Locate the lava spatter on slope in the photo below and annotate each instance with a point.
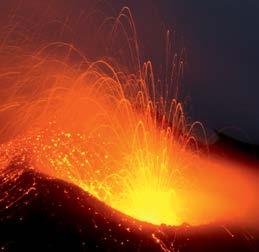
(85, 143)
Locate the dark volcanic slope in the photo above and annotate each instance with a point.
(232, 149)
(55, 215)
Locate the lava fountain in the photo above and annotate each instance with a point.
(114, 133)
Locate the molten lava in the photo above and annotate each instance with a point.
(113, 134)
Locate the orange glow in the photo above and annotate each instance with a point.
(110, 133)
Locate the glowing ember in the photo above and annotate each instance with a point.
(124, 160)
(110, 133)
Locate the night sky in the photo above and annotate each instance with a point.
(221, 38)
(221, 76)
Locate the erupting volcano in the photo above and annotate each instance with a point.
(117, 131)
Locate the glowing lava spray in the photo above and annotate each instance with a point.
(116, 133)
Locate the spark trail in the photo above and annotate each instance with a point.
(111, 132)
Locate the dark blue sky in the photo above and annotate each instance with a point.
(222, 71)
(222, 76)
